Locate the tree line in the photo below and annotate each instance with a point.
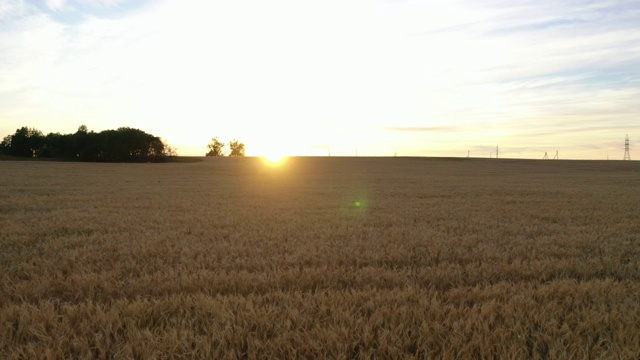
(122, 145)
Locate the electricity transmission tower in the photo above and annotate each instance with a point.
(626, 148)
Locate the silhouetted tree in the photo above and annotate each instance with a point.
(121, 145)
(215, 147)
(237, 148)
(84, 145)
(169, 150)
(26, 142)
(127, 144)
(57, 145)
(5, 145)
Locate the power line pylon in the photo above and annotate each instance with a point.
(626, 148)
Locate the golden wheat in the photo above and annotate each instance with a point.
(320, 258)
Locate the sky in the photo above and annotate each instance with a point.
(299, 77)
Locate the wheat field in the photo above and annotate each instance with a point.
(337, 258)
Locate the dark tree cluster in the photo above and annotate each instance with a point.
(122, 145)
(216, 148)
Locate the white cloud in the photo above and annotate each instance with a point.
(101, 3)
(57, 5)
(66, 5)
(10, 9)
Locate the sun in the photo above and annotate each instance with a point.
(274, 159)
(273, 155)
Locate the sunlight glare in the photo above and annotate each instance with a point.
(274, 159)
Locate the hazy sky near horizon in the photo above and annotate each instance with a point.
(433, 78)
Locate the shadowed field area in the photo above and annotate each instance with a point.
(320, 258)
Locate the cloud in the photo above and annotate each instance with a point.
(56, 5)
(10, 9)
(72, 12)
